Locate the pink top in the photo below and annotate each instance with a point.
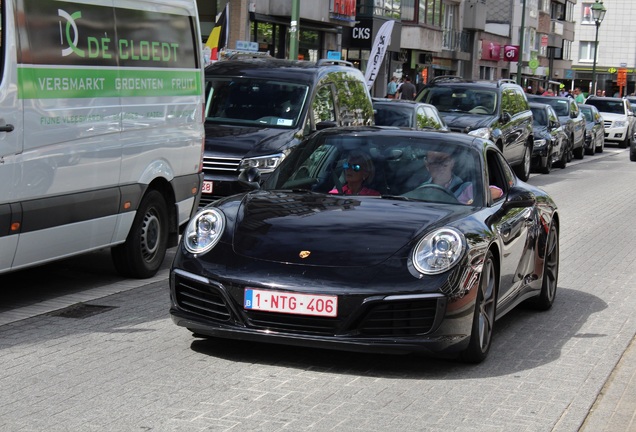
(363, 191)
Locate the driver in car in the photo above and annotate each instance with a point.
(440, 166)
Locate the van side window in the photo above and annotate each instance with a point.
(323, 105)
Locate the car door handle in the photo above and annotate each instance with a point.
(7, 128)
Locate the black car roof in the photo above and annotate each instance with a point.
(273, 68)
(393, 133)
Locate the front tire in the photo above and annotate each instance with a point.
(145, 248)
(484, 314)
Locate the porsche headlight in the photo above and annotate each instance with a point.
(438, 251)
(204, 231)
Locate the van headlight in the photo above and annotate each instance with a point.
(265, 164)
(483, 133)
(438, 251)
(204, 231)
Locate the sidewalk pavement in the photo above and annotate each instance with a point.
(615, 407)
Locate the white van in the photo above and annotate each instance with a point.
(101, 129)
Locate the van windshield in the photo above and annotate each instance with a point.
(254, 102)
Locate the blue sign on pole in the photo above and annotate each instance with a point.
(569, 74)
(333, 55)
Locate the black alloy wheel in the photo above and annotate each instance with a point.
(484, 314)
(548, 163)
(523, 169)
(550, 272)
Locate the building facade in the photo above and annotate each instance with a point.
(616, 57)
(468, 38)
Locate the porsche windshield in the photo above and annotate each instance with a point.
(420, 169)
(254, 102)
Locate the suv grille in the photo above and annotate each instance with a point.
(220, 164)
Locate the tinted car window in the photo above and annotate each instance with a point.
(323, 106)
(539, 117)
(255, 101)
(398, 167)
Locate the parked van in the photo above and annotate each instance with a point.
(101, 129)
(258, 109)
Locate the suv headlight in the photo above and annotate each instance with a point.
(204, 231)
(480, 133)
(538, 143)
(620, 123)
(265, 164)
(438, 251)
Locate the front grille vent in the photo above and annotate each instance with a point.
(201, 299)
(400, 318)
(294, 323)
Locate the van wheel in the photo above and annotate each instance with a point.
(145, 248)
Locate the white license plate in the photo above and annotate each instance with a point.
(291, 303)
(207, 187)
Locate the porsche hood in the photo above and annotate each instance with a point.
(330, 230)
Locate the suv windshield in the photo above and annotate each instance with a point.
(256, 102)
(539, 117)
(481, 101)
(608, 106)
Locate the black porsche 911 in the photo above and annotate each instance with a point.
(412, 263)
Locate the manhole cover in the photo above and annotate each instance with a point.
(81, 310)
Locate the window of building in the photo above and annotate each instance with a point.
(429, 12)
(569, 11)
(558, 11)
(544, 6)
(586, 10)
(487, 73)
(586, 51)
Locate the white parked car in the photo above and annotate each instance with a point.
(619, 120)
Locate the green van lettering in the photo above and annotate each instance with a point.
(97, 47)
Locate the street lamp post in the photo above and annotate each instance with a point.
(598, 13)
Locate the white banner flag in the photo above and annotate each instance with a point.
(380, 44)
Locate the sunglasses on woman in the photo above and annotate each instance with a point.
(354, 167)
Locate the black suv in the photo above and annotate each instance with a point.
(258, 109)
(494, 110)
(572, 120)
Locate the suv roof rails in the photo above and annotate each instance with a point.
(446, 78)
(506, 81)
(324, 61)
(238, 54)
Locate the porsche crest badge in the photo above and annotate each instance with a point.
(304, 254)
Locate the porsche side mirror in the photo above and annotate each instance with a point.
(519, 198)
